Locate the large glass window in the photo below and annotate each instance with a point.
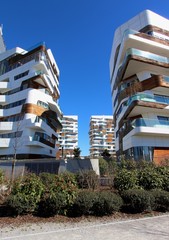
(43, 104)
(140, 153)
(14, 104)
(11, 135)
(21, 75)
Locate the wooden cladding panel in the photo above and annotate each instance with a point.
(155, 39)
(33, 108)
(148, 84)
(160, 154)
(142, 104)
(155, 29)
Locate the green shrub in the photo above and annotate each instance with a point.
(103, 166)
(52, 203)
(106, 203)
(25, 194)
(125, 179)
(47, 178)
(87, 179)
(58, 195)
(127, 164)
(164, 174)
(1, 176)
(149, 178)
(161, 200)
(137, 200)
(82, 204)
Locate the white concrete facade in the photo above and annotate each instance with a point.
(30, 115)
(139, 75)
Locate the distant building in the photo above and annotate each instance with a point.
(139, 70)
(101, 135)
(68, 137)
(29, 110)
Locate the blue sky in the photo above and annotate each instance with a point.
(80, 35)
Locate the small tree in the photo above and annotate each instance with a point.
(16, 144)
(103, 166)
(106, 155)
(76, 152)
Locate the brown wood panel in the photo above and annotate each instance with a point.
(160, 154)
(33, 108)
(155, 29)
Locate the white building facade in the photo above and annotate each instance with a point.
(101, 135)
(68, 137)
(30, 115)
(139, 70)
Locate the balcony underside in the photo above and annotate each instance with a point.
(157, 83)
(141, 107)
(157, 130)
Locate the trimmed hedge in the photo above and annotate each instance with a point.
(161, 200)
(137, 200)
(106, 203)
(52, 203)
(82, 204)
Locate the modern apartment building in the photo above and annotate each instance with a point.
(101, 135)
(68, 137)
(139, 69)
(29, 112)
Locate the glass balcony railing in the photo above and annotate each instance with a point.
(149, 55)
(143, 122)
(139, 53)
(148, 98)
(6, 67)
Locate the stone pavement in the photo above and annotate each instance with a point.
(150, 228)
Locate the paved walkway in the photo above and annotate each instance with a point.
(151, 228)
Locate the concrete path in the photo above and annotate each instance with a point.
(151, 228)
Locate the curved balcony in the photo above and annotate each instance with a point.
(148, 98)
(140, 60)
(142, 126)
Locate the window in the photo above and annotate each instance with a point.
(42, 104)
(21, 75)
(11, 105)
(11, 135)
(163, 120)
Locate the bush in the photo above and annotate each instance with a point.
(103, 166)
(125, 179)
(127, 164)
(106, 203)
(164, 174)
(47, 178)
(137, 200)
(161, 200)
(25, 194)
(58, 196)
(87, 179)
(82, 204)
(149, 178)
(1, 176)
(51, 203)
